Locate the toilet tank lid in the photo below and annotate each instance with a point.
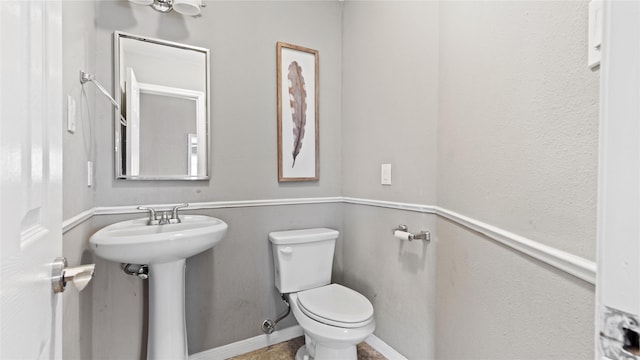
(302, 236)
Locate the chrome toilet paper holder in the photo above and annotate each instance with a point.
(61, 275)
(402, 232)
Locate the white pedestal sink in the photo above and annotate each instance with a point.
(165, 249)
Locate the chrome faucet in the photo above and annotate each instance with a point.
(164, 218)
(174, 213)
(152, 215)
(164, 215)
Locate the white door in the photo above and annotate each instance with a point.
(30, 177)
(133, 124)
(618, 280)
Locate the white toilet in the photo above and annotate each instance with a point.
(334, 318)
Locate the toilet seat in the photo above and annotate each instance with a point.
(336, 305)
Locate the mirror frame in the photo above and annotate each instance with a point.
(117, 36)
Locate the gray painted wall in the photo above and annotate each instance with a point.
(229, 289)
(78, 36)
(486, 109)
(513, 142)
(107, 320)
(78, 51)
(242, 39)
(398, 277)
(390, 111)
(390, 99)
(518, 126)
(494, 303)
(518, 141)
(77, 307)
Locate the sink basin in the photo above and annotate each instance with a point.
(165, 249)
(135, 242)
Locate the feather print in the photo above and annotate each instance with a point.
(298, 103)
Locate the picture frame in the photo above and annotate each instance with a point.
(297, 73)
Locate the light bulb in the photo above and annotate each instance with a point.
(187, 7)
(142, 2)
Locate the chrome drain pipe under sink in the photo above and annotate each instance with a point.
(141, 271)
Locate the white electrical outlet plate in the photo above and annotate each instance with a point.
(71, 114)
(385, 174)
(89, 173)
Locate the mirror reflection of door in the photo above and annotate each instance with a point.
(132, 139)
(164, 130)
(159, 122)
(164, 91)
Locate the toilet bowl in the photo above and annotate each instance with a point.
(332, 333)
(333, 317)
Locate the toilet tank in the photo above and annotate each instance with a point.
(302, 258)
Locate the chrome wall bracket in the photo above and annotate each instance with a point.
(86, 77)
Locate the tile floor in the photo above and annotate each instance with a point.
(287, 351)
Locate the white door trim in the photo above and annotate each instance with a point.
(618, 235)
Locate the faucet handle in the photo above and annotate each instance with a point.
(174, 212)
(152, 215)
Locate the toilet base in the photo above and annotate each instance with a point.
(325, 353)
(302, 353)
(325, 342)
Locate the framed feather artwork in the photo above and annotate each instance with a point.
(298, 129)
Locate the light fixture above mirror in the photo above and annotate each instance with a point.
(184, 7)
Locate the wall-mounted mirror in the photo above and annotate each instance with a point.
(163, 89)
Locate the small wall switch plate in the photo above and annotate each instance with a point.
(71, 114)
(595, 34)
(385, 174)
(89, 173)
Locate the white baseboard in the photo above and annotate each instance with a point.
(384, 349)
(248, 345)
(260, 341)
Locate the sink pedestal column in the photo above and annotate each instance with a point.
(167, 326)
